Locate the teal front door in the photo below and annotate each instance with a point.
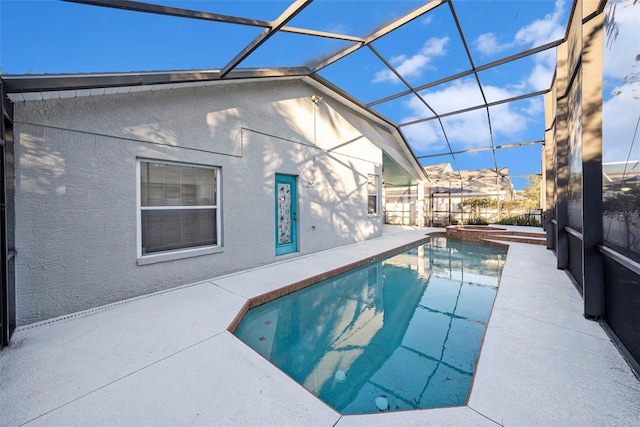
(286, 214)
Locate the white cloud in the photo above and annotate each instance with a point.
(535, 108)
(506, 121)
(488, 44)
(413, 66)
(468, 130)
(456, 96)
(494, 93)
(385, 76)
(620, 51)
(543, 30)
(435, 46)
(540, 77)
(425, 137)
(536, 33)
(337, 28)
(620, 115)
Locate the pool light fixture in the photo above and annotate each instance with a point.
(381, 403)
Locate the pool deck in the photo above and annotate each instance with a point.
(168, 359)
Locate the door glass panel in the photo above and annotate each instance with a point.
(284, 213)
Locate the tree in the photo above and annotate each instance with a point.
(477, 204)
(625, 206)
(531, 192)
(513, 205)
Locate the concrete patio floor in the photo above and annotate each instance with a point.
(168, 359)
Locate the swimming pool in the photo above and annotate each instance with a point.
(400, 333)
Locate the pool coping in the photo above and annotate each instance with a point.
(294, 287)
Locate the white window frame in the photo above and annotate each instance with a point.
(177, 253)
(376, 194)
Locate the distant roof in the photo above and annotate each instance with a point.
(471, 180)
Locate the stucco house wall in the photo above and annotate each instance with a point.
(76, 184)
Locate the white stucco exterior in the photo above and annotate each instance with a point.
(76, 185)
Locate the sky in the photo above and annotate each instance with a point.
(621, 88)
(58, 37)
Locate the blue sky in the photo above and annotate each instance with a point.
(58, 37)
(621, 87)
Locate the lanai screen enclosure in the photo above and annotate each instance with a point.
(460, 89)
(477, 85)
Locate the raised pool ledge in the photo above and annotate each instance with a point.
(494, 235)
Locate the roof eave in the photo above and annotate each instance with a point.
(25, 83)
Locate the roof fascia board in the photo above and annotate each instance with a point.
(80, 92)
(55, 82)
(406, 147)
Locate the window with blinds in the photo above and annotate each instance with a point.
(178, 206)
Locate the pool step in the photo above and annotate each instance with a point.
(531, 238)
(537, 234)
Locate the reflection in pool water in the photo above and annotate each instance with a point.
(397, 334)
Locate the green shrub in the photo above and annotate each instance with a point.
(526, 220)
(478, 221)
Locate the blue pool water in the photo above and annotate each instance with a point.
(407, 328)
